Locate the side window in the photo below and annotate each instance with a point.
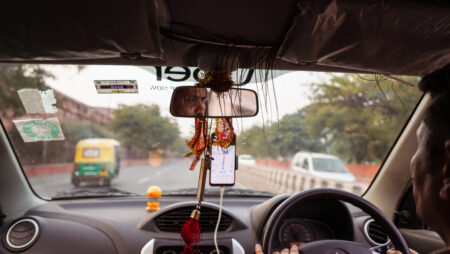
(298, 162)
(305, 164)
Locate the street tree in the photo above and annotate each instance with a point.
(354, 117)
(359, 117)
(281, 139)
(143, 127)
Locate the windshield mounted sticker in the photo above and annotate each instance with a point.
(34, 130)
(116, 86)
(38, 102)
(192, 74)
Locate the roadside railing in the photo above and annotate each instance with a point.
(287, 181)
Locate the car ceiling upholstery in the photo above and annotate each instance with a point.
(388, 37)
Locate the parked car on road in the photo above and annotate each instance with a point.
(322, 166)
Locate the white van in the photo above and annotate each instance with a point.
(246, 159)
(322, 166)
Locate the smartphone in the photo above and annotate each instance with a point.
(223, 164)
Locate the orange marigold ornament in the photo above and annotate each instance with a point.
(219, 82)
(224, 131)
(199, 142)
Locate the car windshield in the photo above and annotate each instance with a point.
(328, 165)
(93, 130)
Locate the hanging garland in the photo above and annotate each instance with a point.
(199, 141)
(224, 132)
(219, 82)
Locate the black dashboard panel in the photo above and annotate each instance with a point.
(114, 222)
(176, 214)
(115, 225)
(65, 236)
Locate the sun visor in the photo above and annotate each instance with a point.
(392, 37)
(65, 30)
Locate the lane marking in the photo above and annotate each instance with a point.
(162, 172)
(158, 173)
(143, 180)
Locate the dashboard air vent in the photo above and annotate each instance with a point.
(375, 234)
(173, 221)
(22, 234)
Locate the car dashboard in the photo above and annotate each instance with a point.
(122, 225)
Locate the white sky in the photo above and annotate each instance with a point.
(292, 91)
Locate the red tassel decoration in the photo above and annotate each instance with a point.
(191, 235)
(190, 232)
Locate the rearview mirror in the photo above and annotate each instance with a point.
(190, 101)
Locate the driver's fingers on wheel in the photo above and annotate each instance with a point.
(285, 251)
(258, 249)
(294, 249)
(393, 251)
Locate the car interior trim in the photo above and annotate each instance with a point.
(176, 36)
(237, 247)
(14, 186)
(148, 247)
(115, 237)
(367, 235)
(33, 238)
(148, 222)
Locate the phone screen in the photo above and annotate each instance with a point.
(222, 165)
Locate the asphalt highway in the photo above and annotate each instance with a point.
(170, 175)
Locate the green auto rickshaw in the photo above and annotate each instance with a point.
(96, 160)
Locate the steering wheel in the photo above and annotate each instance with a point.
(332, 246)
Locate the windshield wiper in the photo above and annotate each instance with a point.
(92, 193)
(215, 192)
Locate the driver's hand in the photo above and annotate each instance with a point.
(293, 250)
(393, 251)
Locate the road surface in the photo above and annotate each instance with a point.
(170, 175)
